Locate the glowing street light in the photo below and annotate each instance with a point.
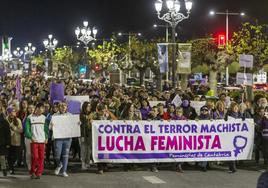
(173, 16)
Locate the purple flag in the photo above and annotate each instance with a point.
(56, 92)
(74, 107)
(18, 88)
(2, 72)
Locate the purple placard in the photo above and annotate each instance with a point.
(56, 92)
(74, 107)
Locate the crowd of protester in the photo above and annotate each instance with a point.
(26, 137)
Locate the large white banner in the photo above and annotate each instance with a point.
(172, 141)
(66, 126)
(197, 105)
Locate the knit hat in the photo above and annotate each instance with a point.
(204, 108)
(185, 103)
(10, 109)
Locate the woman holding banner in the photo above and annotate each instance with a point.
(103, 114)
(204, 115)
(179, 116)
(219, 112)
(234, 113)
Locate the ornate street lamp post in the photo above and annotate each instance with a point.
(86, 35)
(18, 54)
(173, 17)
(50, 45)
(29, 50)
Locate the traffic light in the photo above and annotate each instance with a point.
(221, 41)
(97, 67)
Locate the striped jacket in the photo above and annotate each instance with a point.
(36, 128)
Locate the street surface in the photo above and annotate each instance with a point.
(218, 177)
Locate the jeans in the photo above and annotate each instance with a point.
(86, 149)
(203, 164)
(49, 148)
(3, 162)
(62, 149)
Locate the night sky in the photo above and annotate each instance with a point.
(32, 20)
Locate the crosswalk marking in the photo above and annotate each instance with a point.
(153, 179)
(5, 180)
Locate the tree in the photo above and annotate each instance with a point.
(67, 59)
(200, 69)
(106, 54)
(206, 52)
(251, 39)
(143, 56)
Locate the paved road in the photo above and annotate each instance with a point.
(141, 178)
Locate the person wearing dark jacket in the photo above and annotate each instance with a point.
(188, 111)
(5, 141)
(234, 113)
(263, 180)
(258, 119)
(263, 127)
(204, 115)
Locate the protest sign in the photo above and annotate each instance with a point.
(74, 107)
(244, 79)
(172, 141)
(176, 101)
(56, 92)
(81, 99)
(66, 126)
(197, 105)
(246, 61)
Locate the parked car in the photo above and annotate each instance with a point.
(260, 86)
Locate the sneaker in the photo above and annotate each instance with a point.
(38, 177)
(262, 170)
(232, 171)
(154, 169)
(204, 169)
(4, 173)
(84, 166)
(100, 172)
(179, 169)
(33, 176)
(12, 172)
(57, 170)
(64, 174)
